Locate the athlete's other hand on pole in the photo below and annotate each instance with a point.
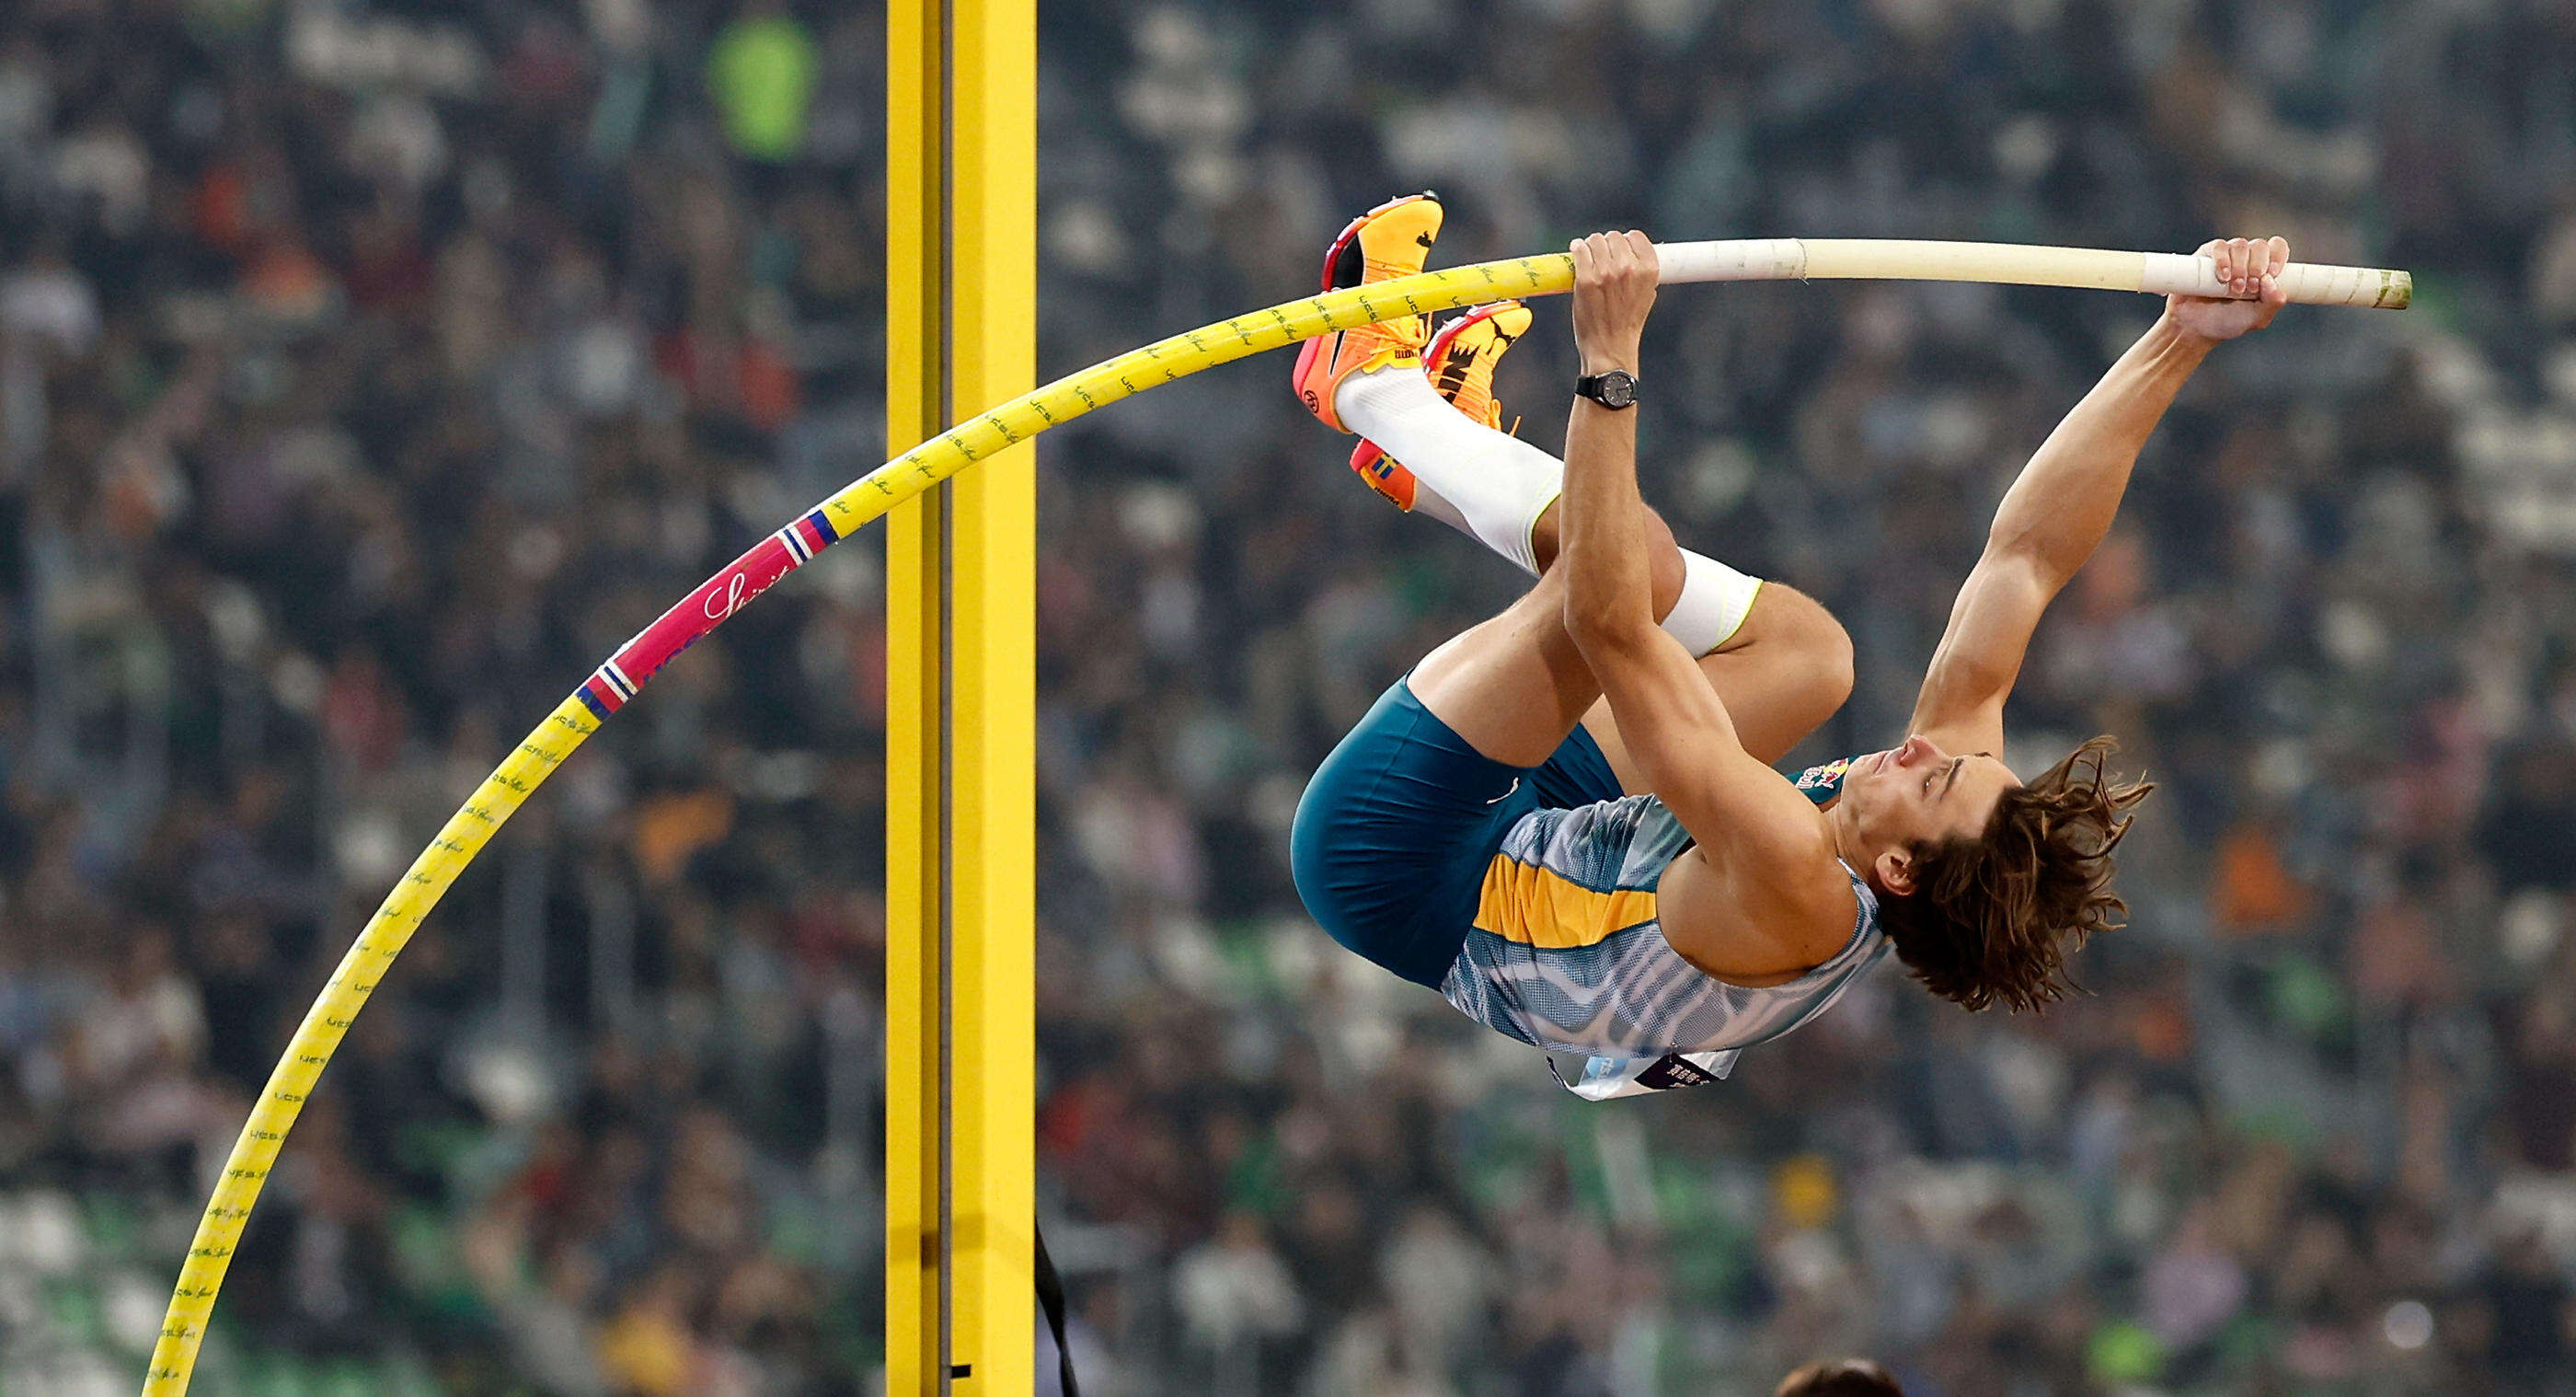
(2246, 267)
(1614, 288)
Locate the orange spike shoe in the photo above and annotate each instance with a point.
(1389, 241)
(1460, 363)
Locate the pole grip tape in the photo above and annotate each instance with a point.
(2101, 269)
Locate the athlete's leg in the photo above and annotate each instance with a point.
(1783, 665)
(1514, 686)
(1499, 489)
(1777, 659)
(1785, 672)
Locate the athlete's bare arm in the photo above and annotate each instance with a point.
(1761, 897)
(2061, 507)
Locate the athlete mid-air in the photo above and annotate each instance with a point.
(1565, 819)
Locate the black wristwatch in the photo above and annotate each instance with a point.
(1615, 390)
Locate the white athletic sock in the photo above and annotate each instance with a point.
(1497, 483)
(1492, 487)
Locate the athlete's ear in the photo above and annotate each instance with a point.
(1895, 870)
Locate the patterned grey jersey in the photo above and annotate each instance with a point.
(1568, 954)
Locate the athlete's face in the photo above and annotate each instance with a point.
(1919, 794)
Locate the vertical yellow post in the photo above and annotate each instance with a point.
(916, 406)
(961, 138)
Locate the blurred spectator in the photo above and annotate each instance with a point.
(761, 72)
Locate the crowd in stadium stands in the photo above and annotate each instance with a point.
(369, 371)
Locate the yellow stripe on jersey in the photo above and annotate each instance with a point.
(1538, 906)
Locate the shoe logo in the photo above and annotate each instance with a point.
(1453, 374)
(1312, 402)
(1424, 239)
(1507, 792)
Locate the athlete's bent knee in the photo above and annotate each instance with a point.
(1823, 647)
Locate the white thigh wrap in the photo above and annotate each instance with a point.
(1714, 602)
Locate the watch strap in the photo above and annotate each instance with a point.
(1598, 388)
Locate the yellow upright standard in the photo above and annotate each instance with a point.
(961, 285)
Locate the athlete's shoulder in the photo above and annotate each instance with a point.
(1762, 924)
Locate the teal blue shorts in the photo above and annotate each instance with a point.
(1395, 831)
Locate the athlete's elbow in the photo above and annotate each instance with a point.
(2051, 549)
(2034, 557)
(1603, 619)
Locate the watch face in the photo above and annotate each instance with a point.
(1618, 389)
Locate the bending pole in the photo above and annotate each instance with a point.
(618, 679)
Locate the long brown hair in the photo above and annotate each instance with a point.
(1992, 918)
(1848, 1377)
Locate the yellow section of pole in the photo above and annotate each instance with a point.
(917, 405)
(254, 1153)
(961, 650)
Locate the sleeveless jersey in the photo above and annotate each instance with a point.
(1567, 954)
